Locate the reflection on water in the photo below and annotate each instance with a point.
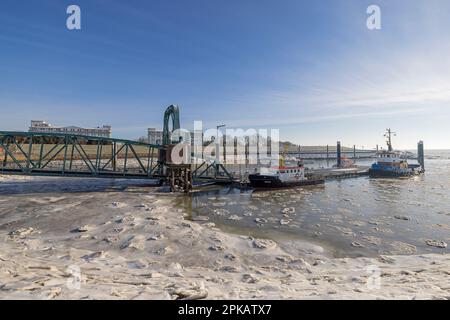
(359, 216)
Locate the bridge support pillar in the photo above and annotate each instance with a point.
(338, 155)
(180, 178)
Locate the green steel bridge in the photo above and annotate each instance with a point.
(72, 155)
(53, 154)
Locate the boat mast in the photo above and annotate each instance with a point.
(388, 136)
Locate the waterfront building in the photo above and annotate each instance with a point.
(40, 126)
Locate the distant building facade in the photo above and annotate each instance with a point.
(44, 127)
(197, 137)
(155, 136)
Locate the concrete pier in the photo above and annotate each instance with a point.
(335, 173)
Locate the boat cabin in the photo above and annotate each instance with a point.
(392, 158)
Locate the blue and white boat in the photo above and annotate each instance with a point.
(392, 163)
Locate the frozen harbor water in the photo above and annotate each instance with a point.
(351, 217)
(128, 241)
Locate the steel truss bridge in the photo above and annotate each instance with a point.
(64, 155)
(52, 154)
(70, 155)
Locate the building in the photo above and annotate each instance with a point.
(44, 127)
(197, 137)
(155, 136)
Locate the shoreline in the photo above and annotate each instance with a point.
(124, 245)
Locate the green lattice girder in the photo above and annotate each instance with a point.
(77, 155)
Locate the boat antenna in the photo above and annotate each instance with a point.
(389, 133)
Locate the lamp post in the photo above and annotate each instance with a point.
(218, 147)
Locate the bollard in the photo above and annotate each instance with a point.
(421, 155)
(338, 154)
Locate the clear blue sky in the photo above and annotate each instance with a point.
(310, 68)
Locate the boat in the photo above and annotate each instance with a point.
(392, 163)
(282, 176)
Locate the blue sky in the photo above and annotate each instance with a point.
(311, 69)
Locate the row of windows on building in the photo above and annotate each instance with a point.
(44, 127)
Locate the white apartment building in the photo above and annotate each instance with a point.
(44, 127)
